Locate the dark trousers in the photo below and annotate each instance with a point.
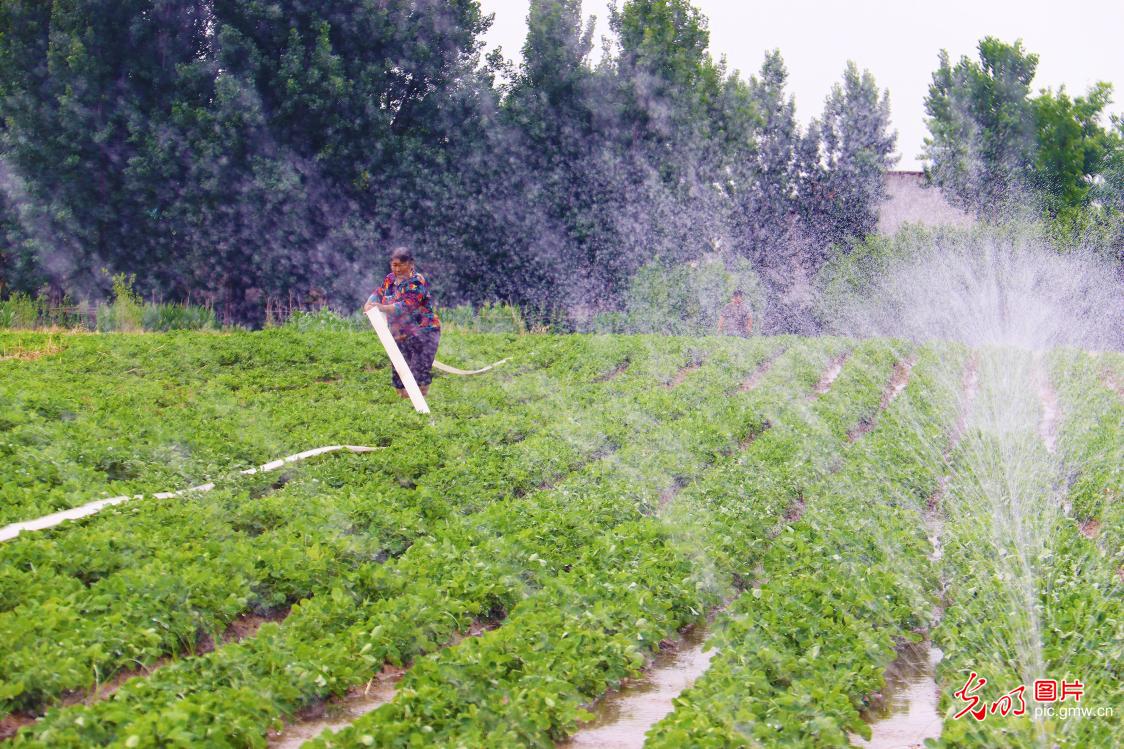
(419, 351)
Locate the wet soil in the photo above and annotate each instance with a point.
(244, 626)
(1090, 528)
(12, 723)
(759, 374)
(753, 435)
(683, 373)
(613, 373)
(339, 712)
(624, 716)
(833, 370)
(795, 511)
(898, 381)
(905, 713)
(670, 492)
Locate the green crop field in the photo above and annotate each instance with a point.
(546, 530)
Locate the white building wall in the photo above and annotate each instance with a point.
(910, 201)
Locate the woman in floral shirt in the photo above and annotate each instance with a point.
(404, 297)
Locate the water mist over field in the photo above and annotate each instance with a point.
(990, 291)
(999, 521)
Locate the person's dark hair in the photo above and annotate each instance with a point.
(401, 252)
(738, 292)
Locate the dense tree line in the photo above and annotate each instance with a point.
(997, 148)
(237, 150)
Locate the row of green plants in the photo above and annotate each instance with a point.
(125, 312)
(1090, 441)
(490, 317)
(801, 652)
(106, 417)
(471, 566)
(195, 591)
(525, 684)
(1029, 597)
(553, 530)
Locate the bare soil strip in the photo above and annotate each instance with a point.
(625, 715)
(670, 492)
(793, 512)
(682, 374)
(614, 373)
(244, 626)
(759, 374)
(753, 435)
(1090, 528)
(11, 724)
(898, 380)
(833, 370)
(906, 713)
(339, 712)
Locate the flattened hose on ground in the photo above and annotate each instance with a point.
(462, 372)
(8, 532)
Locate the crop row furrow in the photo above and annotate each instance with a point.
(488, 560)
(524, 684)
(798, 653)
(1023, 583)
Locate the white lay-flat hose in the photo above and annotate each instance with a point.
(379, 323)
(454, 371)
(8, 532)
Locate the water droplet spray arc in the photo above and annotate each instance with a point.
(1012, 300)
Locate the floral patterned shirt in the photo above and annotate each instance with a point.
(413, 306)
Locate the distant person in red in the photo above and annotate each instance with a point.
(736, 317)
(404, 298)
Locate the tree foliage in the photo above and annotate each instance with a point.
(994, 146)
(240, 151)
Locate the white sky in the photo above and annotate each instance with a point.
(1078, 43)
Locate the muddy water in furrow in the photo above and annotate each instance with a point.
(335, 715)
(624, 717)
(906, 712)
